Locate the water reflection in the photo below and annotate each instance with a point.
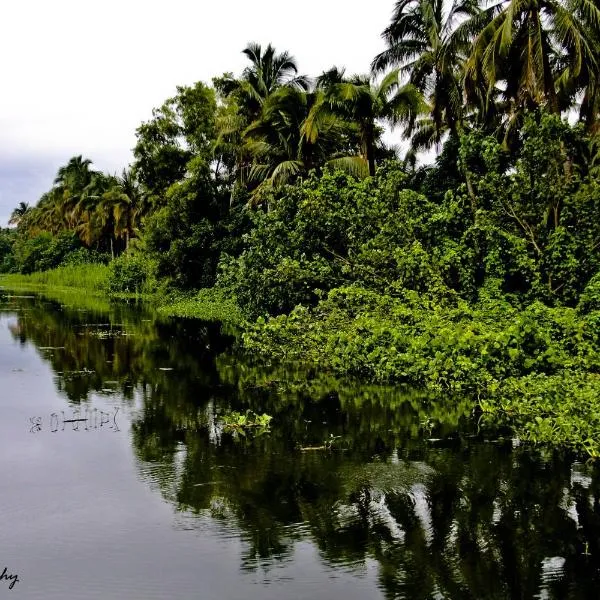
(408, 483)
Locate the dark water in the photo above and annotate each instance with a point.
(358, 492)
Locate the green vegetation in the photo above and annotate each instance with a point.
(242, 424)
(124, 279)
(270, 200)
(558, 409)
(207, 305)
(91, 277)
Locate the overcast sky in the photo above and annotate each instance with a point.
(78, 76)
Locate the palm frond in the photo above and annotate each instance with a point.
(356, 166)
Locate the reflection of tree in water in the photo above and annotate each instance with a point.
(454, 517)
(116, 351)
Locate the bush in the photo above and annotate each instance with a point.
(8, 263)
(182, 236)
(590, 298)
(44, 251)
(83, 256)
(131, 274)
(208, 304)
(419, 340)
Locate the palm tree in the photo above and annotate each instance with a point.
(363, 103)
(590, 105)
(429, 43)
(76, 174)
(70, 190)
(50, 214)
(267, 72)
(533, 47)
(86, 219)
(122, 205)
(19, 213)
(289, 139)
(243, 116)
(586, 84)
(274, 142)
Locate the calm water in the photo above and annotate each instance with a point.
(117, 481)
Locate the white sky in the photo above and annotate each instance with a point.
(78, 76)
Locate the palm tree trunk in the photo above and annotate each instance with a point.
(462, 164)
(589, 112)
(470, 188)
(549, 90)
(369, 147)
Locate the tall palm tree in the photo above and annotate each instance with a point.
(75, 174)
(19, 213)
(242, 119)
(123, 206)
(586, 85)
(429, 42)
(589, 111)
(363, 103)
(267, 72)
(275, 144)
(50, 214)
(71, 188)
(87, 222)
(533, 47)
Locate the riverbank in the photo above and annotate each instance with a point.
(534, 369)
(89, 284)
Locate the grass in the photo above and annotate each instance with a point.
(92, 278)
(207, 305)
(79, 284)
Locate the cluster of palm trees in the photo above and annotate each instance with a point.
(449, 66)
(104, 211)
(282, 125)
(455, 66)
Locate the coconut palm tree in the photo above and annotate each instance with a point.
(429, 42)
(584, 85)
(71, 187)
(267, 72)
(245, 98)
(50, 214)
(274, 142)
(19, 213)
(363, 103)
(123, 206)
(87, 222)
(534, 48)
(76, 174)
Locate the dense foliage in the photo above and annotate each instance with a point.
(277, 191)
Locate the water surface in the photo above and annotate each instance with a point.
(118, 481)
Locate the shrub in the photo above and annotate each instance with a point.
(8, 263)
(83, 256)
(44, 251)
(131, 274)
(590, 298)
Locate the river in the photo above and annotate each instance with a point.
(118, 480)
